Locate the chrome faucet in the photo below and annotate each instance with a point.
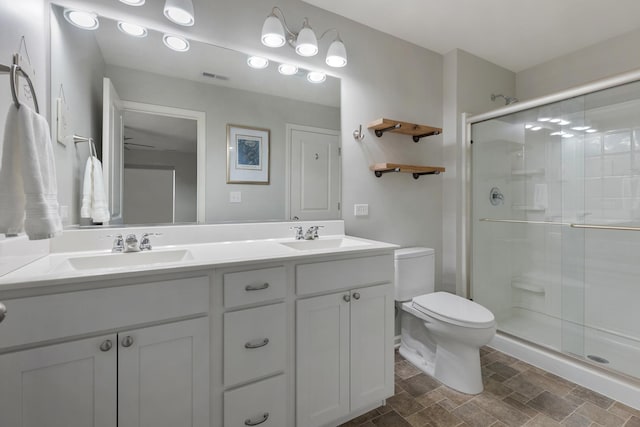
(145, 242)
(118, 243)
(299, 235)
(131, 243)
(312, 232)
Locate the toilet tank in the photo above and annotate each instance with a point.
(414, 272)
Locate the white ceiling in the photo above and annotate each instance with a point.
(515, 34)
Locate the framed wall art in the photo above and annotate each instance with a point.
(247, 155)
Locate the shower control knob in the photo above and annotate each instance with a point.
(346, 297)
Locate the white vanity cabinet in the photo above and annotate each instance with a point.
(344, 340)
(144, 376)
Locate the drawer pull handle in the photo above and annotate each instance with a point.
(106, 345)
(262, 343)
(250, 422)
(127, 341)
(256, 287)
(3, 311)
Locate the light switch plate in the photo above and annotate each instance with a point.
(361, 210)
(235, 197)
(62, 120)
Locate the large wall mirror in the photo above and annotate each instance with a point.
(166, 125)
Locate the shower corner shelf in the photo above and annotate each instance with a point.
(381, 168)
(382, 125)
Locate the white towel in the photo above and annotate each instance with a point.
(94, 199)
(28, 188)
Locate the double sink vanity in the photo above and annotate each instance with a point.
(217, 325)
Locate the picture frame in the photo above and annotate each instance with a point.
(248, 155)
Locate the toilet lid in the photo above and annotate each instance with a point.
(454, 309)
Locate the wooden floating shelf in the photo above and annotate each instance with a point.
(417, 132)
(381, 168)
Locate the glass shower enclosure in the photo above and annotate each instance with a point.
(555, 225)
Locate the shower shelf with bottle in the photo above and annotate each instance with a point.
(417, 132)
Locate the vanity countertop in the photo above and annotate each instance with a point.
(60, 268)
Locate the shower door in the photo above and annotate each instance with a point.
(544, 181)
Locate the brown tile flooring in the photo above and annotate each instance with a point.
(515, 394)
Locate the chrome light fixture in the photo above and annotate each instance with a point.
(276, 32)
(180, 12)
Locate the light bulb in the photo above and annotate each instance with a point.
(132, 29)
(257, 62)
(81, 19)
(337, 54)
(179, 12)
(316, 76)
(306, 43)
(272, 32)
(287, 69)
(176, 43)
(133, 2)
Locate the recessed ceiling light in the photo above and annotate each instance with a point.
(591, 130)
(132, 29)
(556, 133)
(133, 2)
(287, 69)
(528, 126)
(535, 128)
(567, 135)
(581, 128)
(179, 12)
(176, 43)
(564, 122)
(81, 19)
(316, 76)
(544, 119)
(257, 62)
(556, 120)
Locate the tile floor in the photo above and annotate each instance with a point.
(515, 394)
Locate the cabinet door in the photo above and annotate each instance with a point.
(322, 357)
(163, 375)
(71, 384)
(372, 317)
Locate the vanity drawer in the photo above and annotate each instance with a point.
(329, 276)
(249, 405)
(254, 286)
(50, 317)
(254, 343)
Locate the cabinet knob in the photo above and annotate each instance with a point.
(3, 311)
(346, 297)
(106, 345)
(127, 341)
(356, 295)
(250, 422)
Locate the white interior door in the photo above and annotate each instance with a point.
(314, 173)
(112, 148)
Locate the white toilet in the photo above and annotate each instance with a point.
(441, 333)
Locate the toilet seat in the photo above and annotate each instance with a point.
(454, 309)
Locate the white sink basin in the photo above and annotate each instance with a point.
(132, 259)
(312, 245)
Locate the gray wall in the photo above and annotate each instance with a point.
(468, 82)
(222, 106)
(184, 165)
(613, 56)
(78, 66)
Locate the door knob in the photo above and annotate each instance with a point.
(127, 341)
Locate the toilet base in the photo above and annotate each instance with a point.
(457, 368)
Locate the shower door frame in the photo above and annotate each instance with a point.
(465, 226)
